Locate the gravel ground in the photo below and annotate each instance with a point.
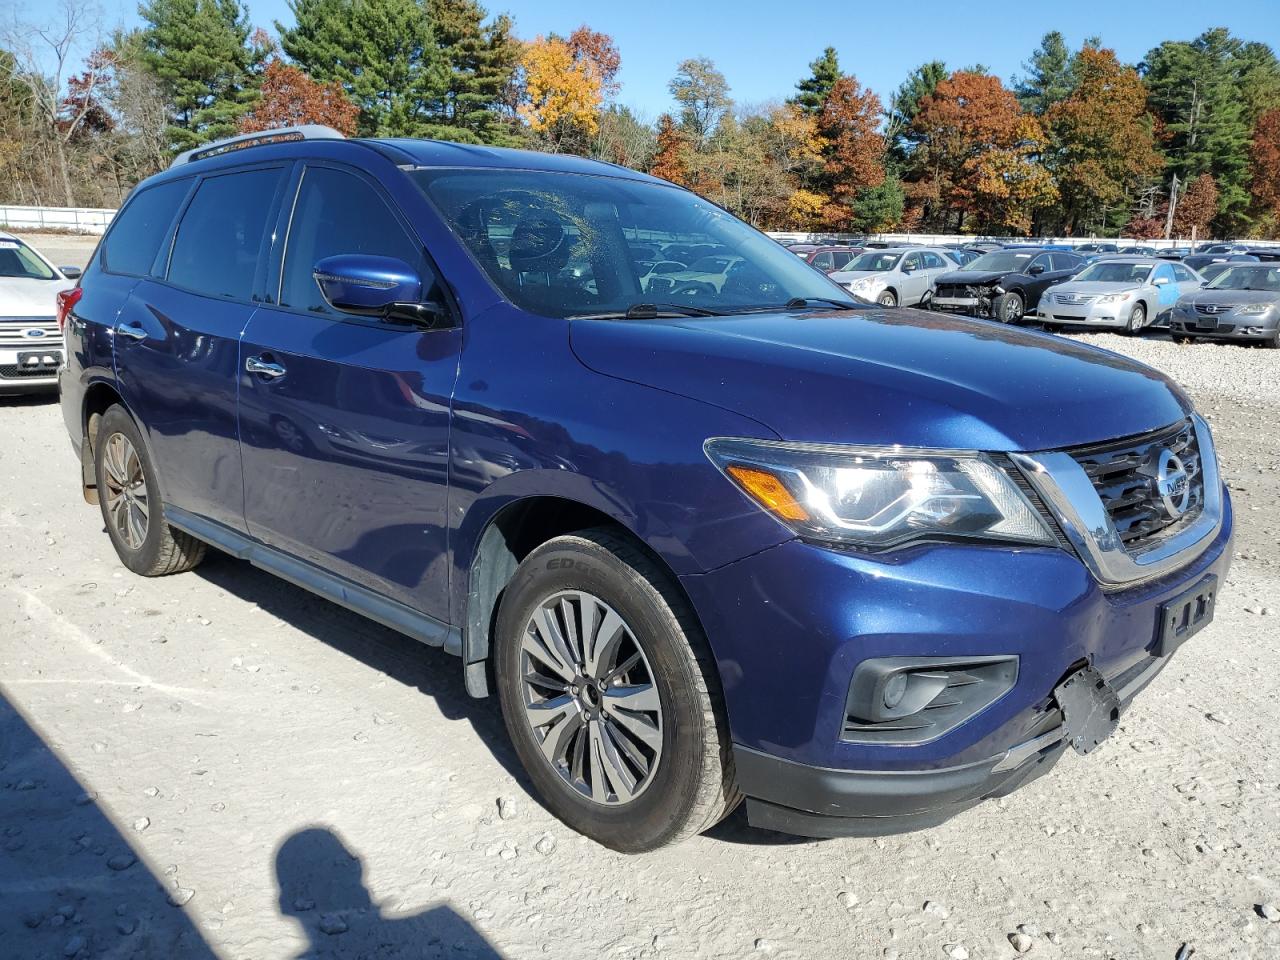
(219, 764)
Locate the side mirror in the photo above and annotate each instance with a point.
(908, 268)
(369, 286)
(1035, 269)
(1160, 281)
(71, 273)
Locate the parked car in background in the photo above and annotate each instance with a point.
(1137, 251)
(1212, 271)
(1127, 292)
(1240, 303)
(1173, 253)
(1198, 260)
(1004, 284)
(30, 343)
(832, 257)
(859, 566)
(1220, 248)
(962, 255)
(894, 277)
(1096, 247)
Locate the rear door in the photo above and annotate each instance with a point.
(914, 280)
(177, 339)
(346, 441)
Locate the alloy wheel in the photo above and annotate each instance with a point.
(590, 697)
(128, 505)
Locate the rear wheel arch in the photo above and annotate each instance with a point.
(99, 397)
(510, 535)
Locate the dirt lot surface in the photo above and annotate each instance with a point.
(218, 764)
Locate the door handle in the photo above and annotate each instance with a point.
(134, 331)
(265, 368)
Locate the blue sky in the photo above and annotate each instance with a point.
(763, 48)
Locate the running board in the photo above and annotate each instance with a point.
(344, 592)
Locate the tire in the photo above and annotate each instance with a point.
(131, 507)
(1008, 308)
(887, 299)
(1137, 319)
(688, 784)
(1272, 342)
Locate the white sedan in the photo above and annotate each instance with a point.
(30, 342)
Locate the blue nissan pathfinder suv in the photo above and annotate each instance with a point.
(709, 533)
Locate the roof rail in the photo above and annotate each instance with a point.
(309, 131)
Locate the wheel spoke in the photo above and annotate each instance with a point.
(621, 781)
(640, 697)
(572, 642)
(561, 718)
(117, 509)
(643, 729)
(533, 644)
(140, 502)
(137, 526)
(604, 645)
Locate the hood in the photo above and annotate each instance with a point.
(1095, 287)
(1233, 297)
(848, 276)
(878, 376)
(24, 297)
(977, 278)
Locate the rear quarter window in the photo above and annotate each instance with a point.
(138, 230)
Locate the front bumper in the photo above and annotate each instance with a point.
(791, 624)
(1224, 326)
(972, 305)
(1087, 314)
(17, 375)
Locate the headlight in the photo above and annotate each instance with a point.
(1115, 297)
(1253, 309)
(879, 497)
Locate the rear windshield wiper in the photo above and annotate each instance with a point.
(651, 311)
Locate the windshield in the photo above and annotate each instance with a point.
(1135, 273)
(874, 262)
(1001, 261)
(1248, 277)
(19, 260)
(565, 245)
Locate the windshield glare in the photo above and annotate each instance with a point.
(999, 261)
(1135, 273)
(20, 261)
(1251, 277)
(565, 245)
(876, 262)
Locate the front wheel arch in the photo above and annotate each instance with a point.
(510, 535)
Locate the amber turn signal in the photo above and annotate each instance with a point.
(769, 491)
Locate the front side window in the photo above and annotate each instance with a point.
(337, 213)
(220, 239)
(933, 262)
(19, 261)
(138, 230)
(558, 244)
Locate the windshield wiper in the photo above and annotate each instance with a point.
(796, 302)
(650, 311)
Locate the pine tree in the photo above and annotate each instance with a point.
(815, 88)
(481, 61)
(1048, 77)
(669, 157)
(383, 53)
(201, 53)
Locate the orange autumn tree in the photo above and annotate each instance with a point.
(978, 154)
(288, 97)
(669, 157)
(851, 146)
(1264, 164)
(1196, 207)
(566, 82)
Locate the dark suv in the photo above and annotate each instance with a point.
(863, 566)
(1006, 284)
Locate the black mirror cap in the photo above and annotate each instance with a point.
(1035, 270)
(71, 273)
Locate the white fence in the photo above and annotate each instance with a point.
(67, 219)
(932, 239)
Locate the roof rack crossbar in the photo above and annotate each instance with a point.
(309, 131)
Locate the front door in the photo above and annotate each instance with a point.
(177, 340)
(344, 420)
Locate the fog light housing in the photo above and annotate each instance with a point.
(916, 699)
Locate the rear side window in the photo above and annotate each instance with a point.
(339, 213)
(1182, 273)
(139, 229)
(219, 242)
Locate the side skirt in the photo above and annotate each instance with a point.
(353, 596)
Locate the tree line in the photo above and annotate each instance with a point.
(1185, 142)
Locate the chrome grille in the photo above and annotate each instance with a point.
(1124, 474)
(1211, 309)
(14, 333)
(1074, 298)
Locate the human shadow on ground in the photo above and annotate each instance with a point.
(70, 883)
(322, 887)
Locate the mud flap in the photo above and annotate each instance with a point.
(1090, 709)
